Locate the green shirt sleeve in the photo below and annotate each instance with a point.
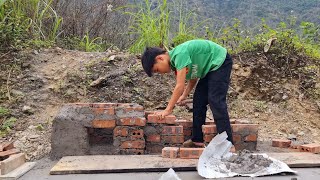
(182, 60)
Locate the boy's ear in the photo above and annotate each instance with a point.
(158, 58)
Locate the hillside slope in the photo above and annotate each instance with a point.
(262, 91)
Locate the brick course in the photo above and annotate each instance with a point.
(282, 143)
(190, 153)
(170, 152)
(104, 123)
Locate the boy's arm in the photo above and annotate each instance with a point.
(177, 92)
(189, 88)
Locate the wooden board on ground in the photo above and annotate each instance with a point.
(298, 159)
(155, 163)
(120, 163)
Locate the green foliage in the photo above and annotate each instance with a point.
(4, 112)
(33, 20)
(90, 45)
(7, 125)
(188, 26)
(150, 27)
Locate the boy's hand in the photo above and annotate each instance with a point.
(181, 101)
(163, 114)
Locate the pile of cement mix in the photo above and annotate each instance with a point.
(247, 163)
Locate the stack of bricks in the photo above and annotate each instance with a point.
(187, 128)
(162, 132)
(183, 153)
(285, 143)
(10, 158)
(127, 122)
(244, 135)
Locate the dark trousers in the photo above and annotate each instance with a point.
(212, 90)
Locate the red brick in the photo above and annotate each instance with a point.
(9, 152)
(6, 146)
(172, 130)
(184, 123)
(134, 121)
(208, 137)
(170, 152)
(251, 138)
(236, 138)
(136, 134)
(155, 138)
(108, 111)
(104, 123)
(121, 131)
(128, 107)
(209, 129)
(313, 148)
(282, 143)
(248, 128)
(187, 132)
(170, 119)
(190, 153)
(146, 113)
(139, 144)
(173, 139)
(155, 119)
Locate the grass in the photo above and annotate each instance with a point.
(24, 22)
(149, 26)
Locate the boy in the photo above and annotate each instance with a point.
(201, 62)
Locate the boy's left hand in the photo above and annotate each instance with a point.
(163, 114)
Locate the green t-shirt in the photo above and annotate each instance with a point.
(199, 56)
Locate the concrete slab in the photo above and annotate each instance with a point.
(20, 171)
(13, 162)
(155, 163)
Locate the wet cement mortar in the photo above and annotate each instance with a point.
(247, 163)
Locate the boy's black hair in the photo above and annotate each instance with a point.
(149, 58)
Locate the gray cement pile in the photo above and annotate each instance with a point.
(247, 163)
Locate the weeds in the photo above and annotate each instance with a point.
(33, 20)
(150, 27)
(90, 45)
(4, 112)
(7, 125)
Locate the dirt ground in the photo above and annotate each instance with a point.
(282, 98)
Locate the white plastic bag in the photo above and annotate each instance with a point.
(170, 175)
(212, 162)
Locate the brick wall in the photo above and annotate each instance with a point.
(130, 130)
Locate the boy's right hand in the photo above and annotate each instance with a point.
(181, 101)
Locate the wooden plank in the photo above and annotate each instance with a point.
(298, 159)
(13, 162)
(20, 171)
(120, 163)
(155, 163)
